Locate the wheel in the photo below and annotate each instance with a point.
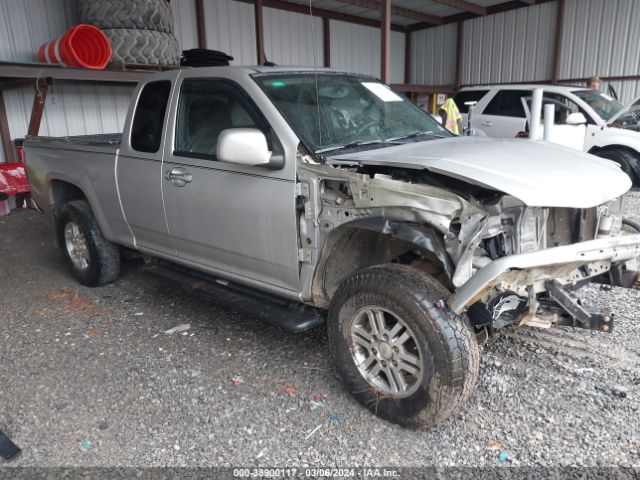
(139, 14)
(92, 259)
(625, 159)
(143, 47)
(400, 351)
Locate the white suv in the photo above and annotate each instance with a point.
(611, 130)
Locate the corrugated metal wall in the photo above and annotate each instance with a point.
(356, 48)
(600, 37)
(292, 39)
(433, 53)
(230, 27)
(513, 46)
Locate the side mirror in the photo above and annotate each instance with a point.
(576, 118)
(243, 146)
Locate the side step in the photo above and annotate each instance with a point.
(291, 316)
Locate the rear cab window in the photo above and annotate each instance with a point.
(468, 96)
(148, 120)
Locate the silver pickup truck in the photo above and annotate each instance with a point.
(306, 195)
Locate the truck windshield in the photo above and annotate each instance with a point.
(603, 105)
(330, 112)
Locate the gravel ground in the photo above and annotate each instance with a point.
(89, 378)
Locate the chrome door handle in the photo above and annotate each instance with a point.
(487, 124)
(178, 176)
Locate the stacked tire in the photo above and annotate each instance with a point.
(140, 31)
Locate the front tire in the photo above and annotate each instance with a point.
(625, 159)
(400, 351)
(92, 259)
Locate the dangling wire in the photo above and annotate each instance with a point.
(315, 73)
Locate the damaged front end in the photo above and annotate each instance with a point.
(538, 261)
(507, 263)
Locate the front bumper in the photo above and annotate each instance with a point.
(567, 264)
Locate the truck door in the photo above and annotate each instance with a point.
(234, 220)
(504, 115)
(139, 168)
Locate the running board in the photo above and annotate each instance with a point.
(291, 316)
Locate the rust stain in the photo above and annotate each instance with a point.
(72, 302)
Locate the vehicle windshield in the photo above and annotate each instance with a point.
(330, 112)
(605, 106)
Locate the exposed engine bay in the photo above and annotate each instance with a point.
(455, 229)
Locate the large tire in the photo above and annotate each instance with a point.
(442, 344)
(77, 228)
(143, 47)
(624, 158)
(134, 14)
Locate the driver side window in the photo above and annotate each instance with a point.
(206, 108)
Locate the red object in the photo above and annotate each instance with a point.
(83, 46)
(20, 152)
(13, 180)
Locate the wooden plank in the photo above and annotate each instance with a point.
(5, 134)
(39, 99)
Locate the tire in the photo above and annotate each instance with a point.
(143, 47)
(444, 342)
(138, 14)
(102, 257)
(625, 159)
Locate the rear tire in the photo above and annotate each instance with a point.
(437, 362)
(143, 47)
(92, 259)
(624, 158)
(139, 14)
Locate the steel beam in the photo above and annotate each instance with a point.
(259, 31)
(323, 13)
(459, 48)
(326, 41)
(385, 40)
(202, 29)
(557, 47)
(464, 5)
(30, 71)
(395, 10)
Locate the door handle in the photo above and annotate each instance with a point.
(178, 176)
(487, 124)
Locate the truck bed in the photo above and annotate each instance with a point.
(77, 142)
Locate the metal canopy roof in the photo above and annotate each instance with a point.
(417, 14)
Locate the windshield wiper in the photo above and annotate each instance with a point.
(417, 134)
(355, 143)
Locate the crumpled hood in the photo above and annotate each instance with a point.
(538, 173)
